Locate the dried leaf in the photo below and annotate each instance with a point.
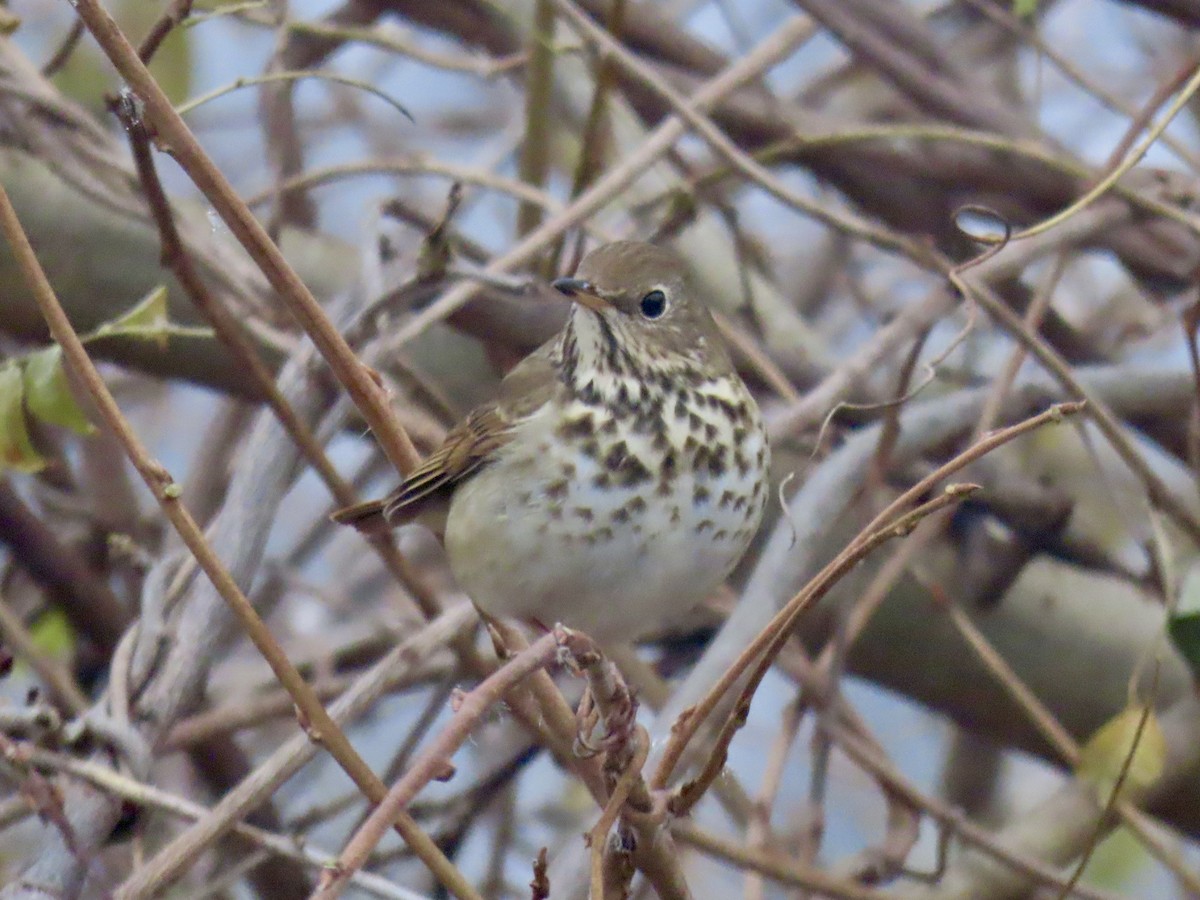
(48, 393)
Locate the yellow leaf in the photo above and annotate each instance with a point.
(1107, 753)
(16, 450)
(9, 22)
(48, 394)
(1117, 862)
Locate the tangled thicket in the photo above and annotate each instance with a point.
(930, 229)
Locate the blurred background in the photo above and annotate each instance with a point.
(846, 204)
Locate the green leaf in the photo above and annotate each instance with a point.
(1184, 625)
(1103, 758)
(16, 450)
(48, 393)
(53, 634)
(1023, 9)
(1185, 635)
(147, 321)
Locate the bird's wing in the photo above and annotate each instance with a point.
(467, 446)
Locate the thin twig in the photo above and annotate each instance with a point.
(174, 134)
(387, 36)
(1114, 794)
(230, 331)
(619, 177)
(433, 763)
(62, 53)
(1060, 739)
(175, 13)
(881, 530)
(533, 160)
(320, 726)
(147, 795)
(62, 685)
(784, 870)
(598, 836)
(416, 165)
(1157, 491)
(874, 532)
(869, 759)
(289, 757)
(288, 76)
(1114, 175)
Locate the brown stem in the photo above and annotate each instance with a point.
(783, 620)
(171, 17)
(62, 54)
(175, 136)
(433, 763)
(234, 336)
(166, 492)
(82, 594)
(533, 163)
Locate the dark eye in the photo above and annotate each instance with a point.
(654, 304)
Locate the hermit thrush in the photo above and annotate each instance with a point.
(621, 472)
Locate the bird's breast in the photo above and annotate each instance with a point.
(600, 511)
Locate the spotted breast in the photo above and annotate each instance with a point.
(620, 501)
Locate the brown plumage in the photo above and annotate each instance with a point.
(618, 475)
(427, 490)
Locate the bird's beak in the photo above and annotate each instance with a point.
(583, 293)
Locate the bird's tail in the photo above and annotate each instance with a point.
(365, 517)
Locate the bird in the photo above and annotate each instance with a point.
(620, 473)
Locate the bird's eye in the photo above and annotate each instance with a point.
(654, 304)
